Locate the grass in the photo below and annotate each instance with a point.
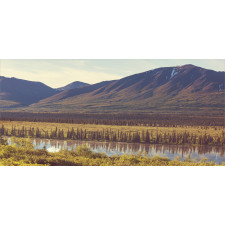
(22, 153)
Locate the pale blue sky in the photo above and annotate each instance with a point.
(57, 73)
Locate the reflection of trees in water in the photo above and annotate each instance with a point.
(130, 148)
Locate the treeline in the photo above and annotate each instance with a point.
(128, 119)
(117, 136)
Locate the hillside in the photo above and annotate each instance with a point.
(16, 92)
(165, 89)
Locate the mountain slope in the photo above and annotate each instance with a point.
(74, 92)
(165, 89)
(76, 84)
(17, 92)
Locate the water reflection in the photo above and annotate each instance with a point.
(212, 153)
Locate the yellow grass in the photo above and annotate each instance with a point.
(213, 131)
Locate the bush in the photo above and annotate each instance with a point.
(83, 151)
(2, 141)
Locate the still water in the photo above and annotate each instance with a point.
(215, 153)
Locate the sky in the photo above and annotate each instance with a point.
(60, 72)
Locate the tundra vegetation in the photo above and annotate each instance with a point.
(130, 128)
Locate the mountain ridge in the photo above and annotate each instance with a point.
(19, 92)
(185, 87)
(75, 84)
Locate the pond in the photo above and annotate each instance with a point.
(212, 153)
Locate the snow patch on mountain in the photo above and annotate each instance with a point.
(220, 87)
(173, 73)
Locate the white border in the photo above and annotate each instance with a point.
(118, 29)
(114, 30)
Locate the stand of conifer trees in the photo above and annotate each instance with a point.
(116, 136)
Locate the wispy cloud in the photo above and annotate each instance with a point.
(55, 73)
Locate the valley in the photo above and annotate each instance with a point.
(170, 111)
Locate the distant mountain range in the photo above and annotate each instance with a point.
(168, 89)
(76, 84)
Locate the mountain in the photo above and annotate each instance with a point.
(16, 92)
(185, 88)
(168, 89)
(76, 84)
(74, 92)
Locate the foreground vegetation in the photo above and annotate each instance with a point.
(22, 153)
(191, 135)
